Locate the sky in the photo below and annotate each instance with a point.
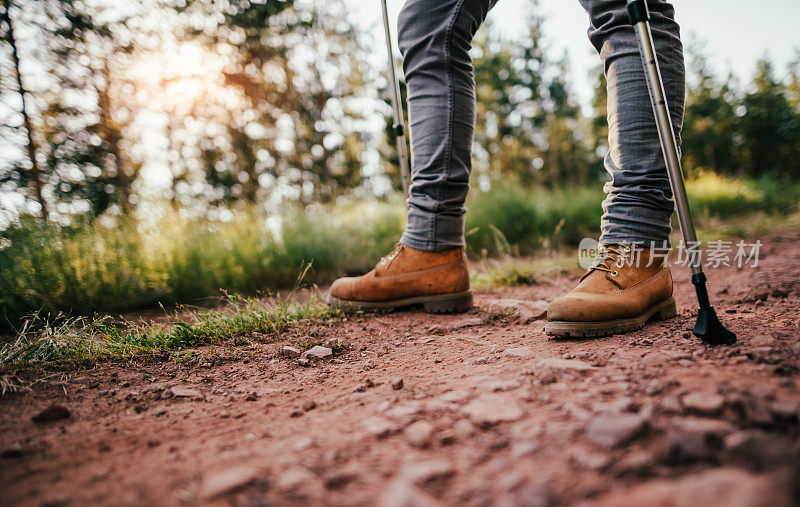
(736, 32)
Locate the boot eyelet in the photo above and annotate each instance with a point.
(614, 273)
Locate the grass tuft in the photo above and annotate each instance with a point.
(64, 342)
(510, 271)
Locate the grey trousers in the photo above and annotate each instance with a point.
(435, 37)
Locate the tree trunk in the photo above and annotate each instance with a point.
(35, 173)
(113, 137)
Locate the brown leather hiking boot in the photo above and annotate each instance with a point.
(439, 281)
(620, 293)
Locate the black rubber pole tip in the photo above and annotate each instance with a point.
(710, 329)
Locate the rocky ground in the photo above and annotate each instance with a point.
(473, 409)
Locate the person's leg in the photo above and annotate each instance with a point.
(435, 39)
(428, 267)
(638, 206)
(627, 286)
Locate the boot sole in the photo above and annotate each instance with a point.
(441, 303)
(564, 329)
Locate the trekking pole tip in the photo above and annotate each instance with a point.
(709, 328)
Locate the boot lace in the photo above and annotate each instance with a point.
(613, 256)
(388, 259)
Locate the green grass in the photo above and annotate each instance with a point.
(89, 267)
(64, 342)
(513, 271)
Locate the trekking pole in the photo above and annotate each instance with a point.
(708, 327)
(398, 126)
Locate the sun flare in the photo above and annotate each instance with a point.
(187, 74)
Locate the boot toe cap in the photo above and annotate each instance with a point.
(342, 288)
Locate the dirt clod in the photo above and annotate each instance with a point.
(52, 413)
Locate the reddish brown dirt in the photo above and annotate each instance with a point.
(485, 415)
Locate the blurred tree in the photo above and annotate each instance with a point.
(79, 112)
(510, 92)
(599, 120)
(568, 153)
(16, 172)
(86, 111)
(770, 127)
(793, 91)
(709, 135)
(293, 130)
(529, 125)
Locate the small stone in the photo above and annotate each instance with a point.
(228, 481)
(670, 405)
(693, 438)
(397, 384)
(299, 479)
(615, 430)
(303, 444)
(532, 310)
(290, 351)
(522, 449)
(309, 405)
(590, 460)
(463, 429)
(655, 359)
(535, 494)
(183, 392)
(752, 409)
(523, 352)
(527, 310)
(637, 463)
(492, 408)
(467, 322)
(303, 361)
(317, 353)
(760, 450)
(402, 493)
(251, 397)
(716, 486)
(420, 472)
(52, 413)
(785, 411)
(703, 403)
(379, 427)
(559, 368)
(419, 434)
(296, 413)
(405, 412)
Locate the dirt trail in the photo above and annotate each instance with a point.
(489, 412)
